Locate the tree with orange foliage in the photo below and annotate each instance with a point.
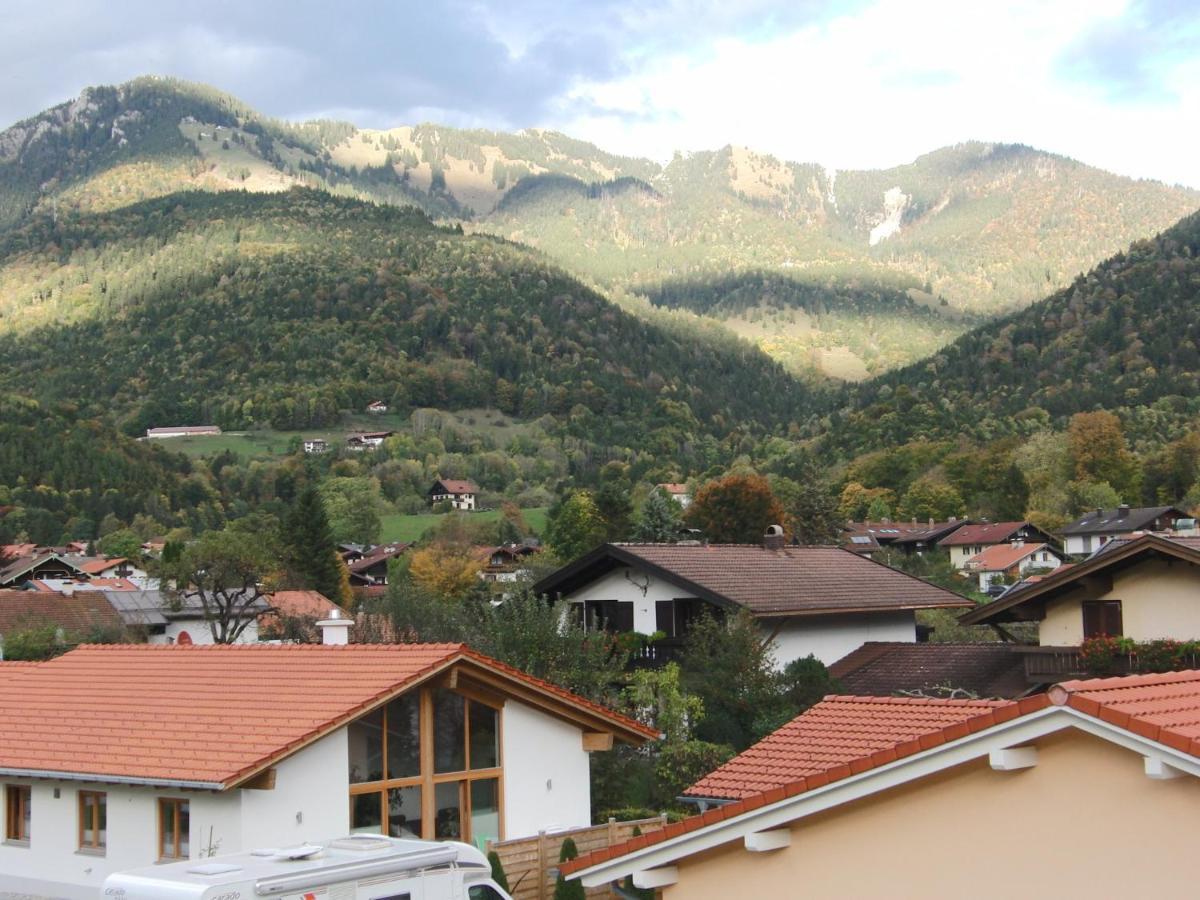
(735, 509)
(445, 570)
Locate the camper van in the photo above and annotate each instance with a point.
(358, 867)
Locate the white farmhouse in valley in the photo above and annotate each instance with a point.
(459, 493)
(118, 756)
(823, 601)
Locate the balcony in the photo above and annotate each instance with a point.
(657, 654)
(1050, 664)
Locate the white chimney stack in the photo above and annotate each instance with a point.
(335, 629)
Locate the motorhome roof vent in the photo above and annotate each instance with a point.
(214, 869)
(360, 842)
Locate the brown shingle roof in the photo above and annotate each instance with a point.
(214, 715)
(790, 581)
(882, 668)
(455, 486)
(982, 533)
(77, 613)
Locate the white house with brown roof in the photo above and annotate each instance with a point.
(459, 493)
(823, 601)
(175, 431)
(1083, 791)
(1001, 561)
(974, 538)
(118, 756)
(677, 491)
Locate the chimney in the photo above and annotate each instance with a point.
(1122, 510)
(336, 629)
(774, 538)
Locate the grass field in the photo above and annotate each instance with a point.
(411, 528)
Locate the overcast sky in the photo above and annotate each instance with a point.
(1114, 83)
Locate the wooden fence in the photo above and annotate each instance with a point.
(531, 863)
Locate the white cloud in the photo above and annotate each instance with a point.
(882, 86)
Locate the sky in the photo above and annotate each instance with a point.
(852, 84)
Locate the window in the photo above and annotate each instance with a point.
(1087, 543)
(93, 821)
(1102, 617)
(18, 817)
(427, 766)
(610, 615)
(483, 892)
(675, 617)
(173, 828)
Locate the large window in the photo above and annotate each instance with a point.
(93, 821)
(174, 824)
(611, 615)
(1102, 617)
(17, 813)
(427, 765)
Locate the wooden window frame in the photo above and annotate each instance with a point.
(173, 804)
(428, 778)
(99, 798)
(18, 798)
(1100, 615)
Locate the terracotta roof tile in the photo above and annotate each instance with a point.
(1002, 557)
(77, 613)
(302, 603)
(833, 737)
(1161, 707)
(211, 714)
(457, 486)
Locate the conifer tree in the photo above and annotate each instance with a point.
(310, 553)
(659, 520)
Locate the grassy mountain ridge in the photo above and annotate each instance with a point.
(986, 228)
(284, 309)
(1125, 337)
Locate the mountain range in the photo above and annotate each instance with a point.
(832, 272)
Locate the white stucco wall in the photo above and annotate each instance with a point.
(616, 586)
(200, 632)
(547, 780)
(829, 638)
(312, 783)
(1158, 600)
(53, 865)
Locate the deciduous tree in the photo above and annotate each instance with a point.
(735, 509)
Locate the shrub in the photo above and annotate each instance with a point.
(498, 875)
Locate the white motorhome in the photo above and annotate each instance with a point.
(358, 867)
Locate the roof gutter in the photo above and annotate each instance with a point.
(113, 779)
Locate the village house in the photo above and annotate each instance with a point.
(369, 565)
(175, 431)
(315, 445)
(1002, 563)
(460, 494)
(25, 569)
(180, 752)
(823, 601)
(1144, 589)
(849, 798)
(367, 440)
(377, 407)
(867, 538)
(504, 563)
(973, 538)
(73, 617)
(112, 567)
(677, 492)
(1092, 531)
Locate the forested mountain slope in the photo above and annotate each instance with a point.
(903, 259)
(282, 309)
(1123, 337)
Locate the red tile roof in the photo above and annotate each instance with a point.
(983, 533)
(77, 613)
(790, 581)
(1002, 557)
(856, 743)
(302, 604)
(1162, 707)
(214, 715)
(456, 486)
(673, 487)
(96, 566)
(835, 732)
